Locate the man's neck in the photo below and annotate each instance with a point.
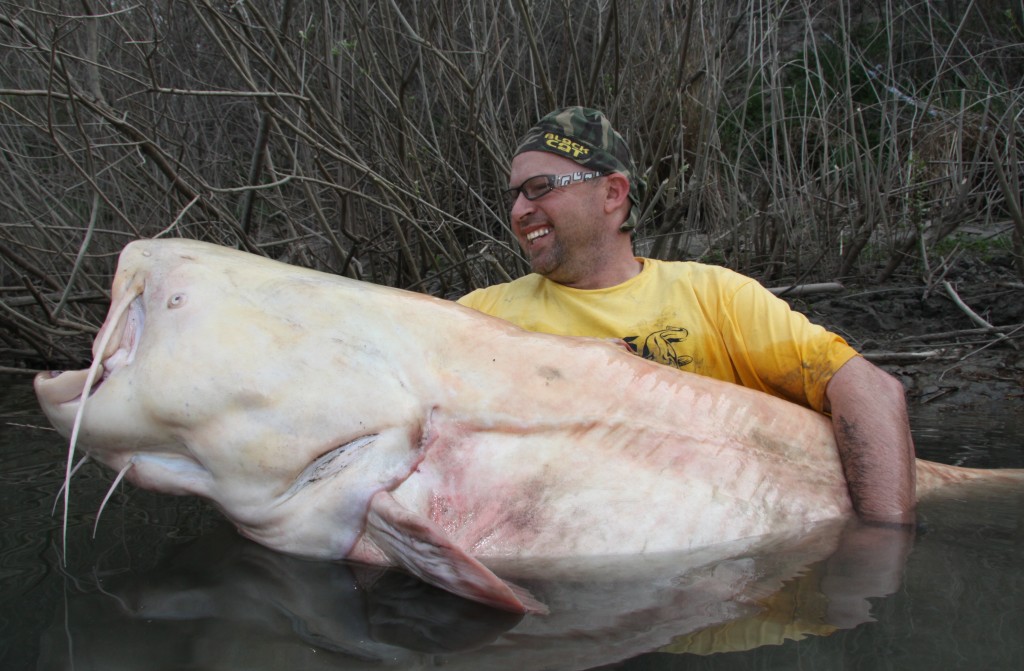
(609, 275)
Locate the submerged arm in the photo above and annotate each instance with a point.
(869, 417)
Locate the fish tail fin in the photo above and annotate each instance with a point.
(933, 476)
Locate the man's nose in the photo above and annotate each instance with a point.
(522, 207)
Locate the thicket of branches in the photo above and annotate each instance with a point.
(802, 140)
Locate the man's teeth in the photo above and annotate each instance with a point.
(540, 232)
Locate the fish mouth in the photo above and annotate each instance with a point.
(58, 387)
(115, 347)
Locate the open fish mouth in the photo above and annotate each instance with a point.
(59, 387)
(114, 348)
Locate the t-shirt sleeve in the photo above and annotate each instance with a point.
(777, 349)
(470, 300)
(482, 300)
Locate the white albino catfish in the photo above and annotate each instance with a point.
(333, 419)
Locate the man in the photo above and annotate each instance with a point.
(574, 199)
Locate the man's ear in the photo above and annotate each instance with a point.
(617, 191)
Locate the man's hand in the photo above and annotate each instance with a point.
(869, 417)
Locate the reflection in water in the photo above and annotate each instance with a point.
(166, 585)
(223, 602)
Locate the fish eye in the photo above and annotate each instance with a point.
(176, 301)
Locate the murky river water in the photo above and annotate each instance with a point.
(164, 585)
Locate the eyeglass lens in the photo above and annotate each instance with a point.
(533, 188)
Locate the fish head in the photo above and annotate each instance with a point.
(244, 381)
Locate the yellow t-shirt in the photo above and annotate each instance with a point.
(699, 318)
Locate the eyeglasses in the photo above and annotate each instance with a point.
(539, 186)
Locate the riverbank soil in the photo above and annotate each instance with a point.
(923, 333)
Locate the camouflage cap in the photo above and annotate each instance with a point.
(585, 135)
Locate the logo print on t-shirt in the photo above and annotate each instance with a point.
(660, 346)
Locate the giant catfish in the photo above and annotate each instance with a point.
(331, 418)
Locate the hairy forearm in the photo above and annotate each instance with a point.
(869, 417)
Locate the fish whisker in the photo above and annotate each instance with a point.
(110, 492)
(56, 500)
(116, 312)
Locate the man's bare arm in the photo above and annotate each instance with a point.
(869, 417)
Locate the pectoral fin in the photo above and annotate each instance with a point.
(421, 547)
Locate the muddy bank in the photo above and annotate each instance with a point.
(920, 334)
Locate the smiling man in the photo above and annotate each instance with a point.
(574, 199)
